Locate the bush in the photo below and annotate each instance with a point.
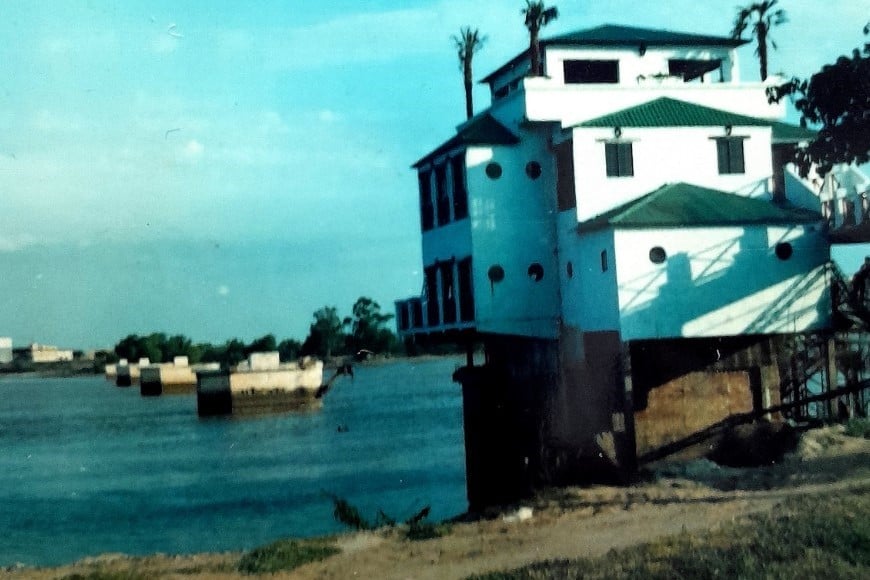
(286, 555)
(858, 428)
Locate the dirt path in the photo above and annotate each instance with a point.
(566, 523)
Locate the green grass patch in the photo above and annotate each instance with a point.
(426, 530)
(858, 428)
(805, 537)
(105, 575)
(286, 555)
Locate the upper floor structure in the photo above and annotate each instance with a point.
(507, 203)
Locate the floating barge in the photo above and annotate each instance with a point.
(262, 385)
(177, 377)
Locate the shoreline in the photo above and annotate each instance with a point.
(675, 497)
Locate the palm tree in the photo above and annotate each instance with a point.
(467, 42)
(765, 19)
(537, 16)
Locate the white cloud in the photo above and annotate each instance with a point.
(192, 150)
(162, 43)
(328, 116)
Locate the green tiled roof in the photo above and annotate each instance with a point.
(615, 35)
(685, 205)
(667, 112)
(785, 133)
(482, 130)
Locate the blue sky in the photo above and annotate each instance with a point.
(222, 170)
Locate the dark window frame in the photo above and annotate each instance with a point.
(566, 195)
(427, 207)
(731, 155)
(590, 71)
(433, 315)
(448, 293)
(460, 189)
(619, 158)
(442, 195)
(466, 290)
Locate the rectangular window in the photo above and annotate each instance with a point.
(730, 153)
(619, 159)
(433, 318)
(416, 313)
(427, 209)
(448, 293)
(442, 195)
(565, 194)
(603, 260)
(466, 291)
(404, 316)
(460, 193)
(591, 71)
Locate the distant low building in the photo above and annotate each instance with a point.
(5, 350)
(43, 353)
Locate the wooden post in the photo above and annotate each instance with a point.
(831, 373)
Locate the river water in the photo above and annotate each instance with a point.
(88, 468)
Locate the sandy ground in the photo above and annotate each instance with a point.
(565, 523)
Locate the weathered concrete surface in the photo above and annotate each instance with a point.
(542, 412)
(290, 387)
(176, 377)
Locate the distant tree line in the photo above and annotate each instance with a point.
(366, 331)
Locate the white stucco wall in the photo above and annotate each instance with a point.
(721, 282)
(548, 100)
(632, 64)
(590, 296)
(663, 155)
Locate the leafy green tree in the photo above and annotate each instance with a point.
(837, 98)
(468, 42)
(762, 17)
(368, 327)
(326, 333)
(263, 344)
(289, 349)
(536, 17)
(177, 345)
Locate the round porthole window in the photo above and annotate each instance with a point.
(495, 273)
(784, 250)
(493, 170)
(657, 255)
(533, 169)
(569, 269)
(536, 272)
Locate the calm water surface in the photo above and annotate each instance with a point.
(88, 468)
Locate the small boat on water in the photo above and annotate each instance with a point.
(263, 384)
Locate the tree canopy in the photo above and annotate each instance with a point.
(536, 17)
(838, 99)
(763, 17)
(468, 42)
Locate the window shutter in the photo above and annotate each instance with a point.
(722, 151)
(611, 158)
(736, 155)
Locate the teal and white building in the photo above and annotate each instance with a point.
(638, 193)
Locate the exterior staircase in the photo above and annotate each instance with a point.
(842, 197)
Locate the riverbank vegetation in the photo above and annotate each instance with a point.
(365, 333)
(804, 537)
